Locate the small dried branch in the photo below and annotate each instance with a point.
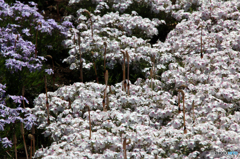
(69, 103)
(123, 67)
(15, 141)
(21, 126)
(184, 122)
(193, 111)
(53, 77)
(105, 51)
(39, 23)
(151, 74)
(24, 141)
(47, 104)
(201, 44)
(128, 84)
(81, 62)
(31, 137)
(86, 11)
(90, 127)
(104, 96)
(33, 133)
(95, 68)
(125, 143)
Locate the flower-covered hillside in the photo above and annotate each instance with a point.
(191, 110)
(148, 118)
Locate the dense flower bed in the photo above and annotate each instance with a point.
(200, 57)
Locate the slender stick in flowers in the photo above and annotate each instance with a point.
(201, 44)
(128, 84)
(184, 124)
(81, 62)
(33, 133)
(193, 110)
(39, 23)
(105, 51)
(153, 66)
(125, 143)
(107, 101)
(16, 42)
(179, 109)
(31, 137)
(47, 104)
(151, 74)
(90, 21)
(15, 141)
(53, 77)
(104, 96)
(24, 141)
(8, 154)
(90, 127)
(21, 126)
(124, 77)
(95, 68)
(69, 103)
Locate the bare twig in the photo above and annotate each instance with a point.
(193, 110)
(39, 23)
(24, 141)
(105, 51)
(123, 67)
(128, 84)
(81, 62)
(104, 96)
(69, 103)
(15, 141)
(90, 127)
(125, 143)
(184, 124)
(90, 21)
(21, 126)
(47, 104)
(53, 77)
(201, 44)
(95, 68)
(31, 137)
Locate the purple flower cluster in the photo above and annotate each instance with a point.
(10, 115)
(18, 52)
(18, 23)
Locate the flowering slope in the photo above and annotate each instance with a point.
(148, 117)
(200, 57)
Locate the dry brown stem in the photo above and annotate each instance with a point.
(201, 44)
(105, 51)
(151, 74)
(15, 141)
(21, 126)
(53, 77)
(69, 103)
(184, 124)
(24, 141)
(124, 77)
(31, 137)
(90, 21)
(125, 143)
(81, 62)
(90, 127)
(193, 111)
(39, 23)
(47, 104)
(104, 96)
(128, 84)
(95, 68)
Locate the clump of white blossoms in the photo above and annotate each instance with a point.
(201, 53)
